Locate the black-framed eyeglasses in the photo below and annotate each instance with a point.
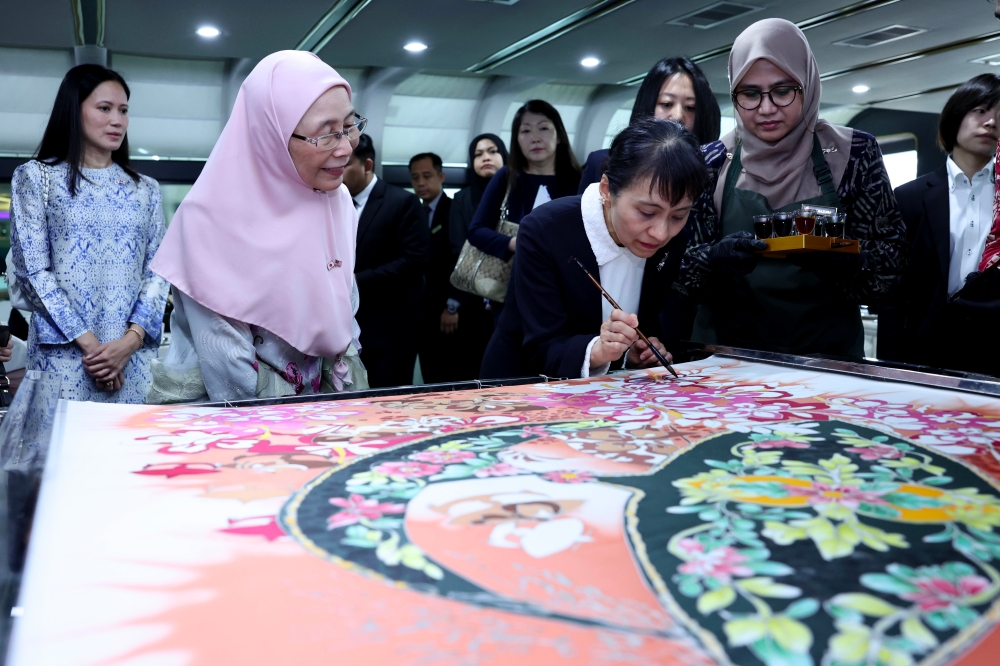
(332, 140)
(780, 96)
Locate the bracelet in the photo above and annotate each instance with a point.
(139, 335)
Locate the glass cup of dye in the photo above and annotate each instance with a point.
(835, 226)
(821, 222)
(805, 221)
(782, 224)
(763, 227)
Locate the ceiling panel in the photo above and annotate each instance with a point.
(250, 28)
(458, 33)
(463, 32)
(39, 23)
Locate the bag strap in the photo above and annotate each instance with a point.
(504, 212)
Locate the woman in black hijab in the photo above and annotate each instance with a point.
(470, 322)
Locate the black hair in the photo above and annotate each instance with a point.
(662, 151)
(433, 157)
(983, 90)
(364, 150)
(707, 115)
(63, 140)
(475, 181)
(567, 168)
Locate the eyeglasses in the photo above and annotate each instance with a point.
(781, 96)
(332, 140)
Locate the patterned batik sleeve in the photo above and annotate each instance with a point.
(704, 223)
(31, 254)
(152, 299)
(872, 217)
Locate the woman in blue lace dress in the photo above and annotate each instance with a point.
(84, 227)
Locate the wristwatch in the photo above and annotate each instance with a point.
(452, 306)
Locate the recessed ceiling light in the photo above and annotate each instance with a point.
(143, 151)
(590, 62)
(208, 32)
(860, 89)
(156, 158)
(991, 60)
(415, 47)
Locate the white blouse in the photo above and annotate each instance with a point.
(620, 271)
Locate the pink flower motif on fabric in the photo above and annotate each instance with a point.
(722, 564)
(848, 496)
(294, 377)
(877, 452)
(780, 444)
(568, 477)
(939, 593)
(407, 470)
(356, 507)
(499, 469)
(442, 457)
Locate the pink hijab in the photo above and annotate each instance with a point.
(252, 241)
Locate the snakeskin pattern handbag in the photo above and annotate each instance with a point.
(483, 274)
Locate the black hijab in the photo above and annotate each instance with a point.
(475, 181)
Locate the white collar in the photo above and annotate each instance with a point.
(604, 247)
(954, 172)
(363, 195)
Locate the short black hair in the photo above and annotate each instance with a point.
(662, 151)
(364, 150)
(707, 115)
(433, 157)
(63, 140)
(983, 90)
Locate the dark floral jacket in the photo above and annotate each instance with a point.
(872, 217)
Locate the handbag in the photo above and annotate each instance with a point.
(483, 274)
(17, 298)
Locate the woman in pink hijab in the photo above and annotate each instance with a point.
(261, 252)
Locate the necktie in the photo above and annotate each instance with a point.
(356, 205)
(430, 213)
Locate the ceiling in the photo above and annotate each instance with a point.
(461, 33)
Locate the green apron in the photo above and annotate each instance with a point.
(780, 307)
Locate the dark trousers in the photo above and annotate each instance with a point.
(389, 367)
(456, 356)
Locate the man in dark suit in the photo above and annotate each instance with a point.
(948, 215)
(439, 313)
(392, 253)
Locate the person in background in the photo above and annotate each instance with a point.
(948, 214)
(393, 245)
(261, 252)
(541, 168)
(84, 228)
(626, 231)
(782, 156)
(436, 340)
(674, 89)
(467, 316)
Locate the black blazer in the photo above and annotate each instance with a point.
(442, 258)
(912, 325)
(552, 310)
(593, 169)
(392, 256)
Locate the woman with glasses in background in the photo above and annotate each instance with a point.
(542, 167)
(780, 157)
(84, 227)
(261, 252)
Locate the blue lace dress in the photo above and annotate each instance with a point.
(83, 264)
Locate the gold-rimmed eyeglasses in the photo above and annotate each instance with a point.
(780, 96)
(332, 140)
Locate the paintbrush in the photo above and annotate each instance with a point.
(656, 352)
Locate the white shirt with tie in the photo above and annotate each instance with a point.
(970, 208)
(431, 208)
(621, 271)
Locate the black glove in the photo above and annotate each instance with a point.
(839, 267)
(734, 256)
